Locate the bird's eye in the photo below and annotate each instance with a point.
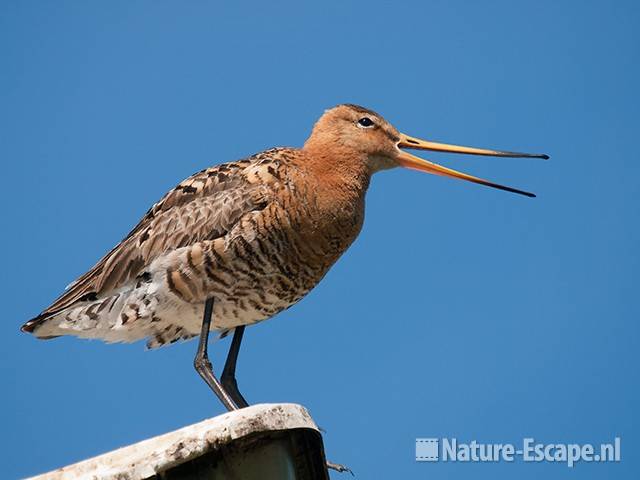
(365, 122)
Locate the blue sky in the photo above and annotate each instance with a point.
(460, 311)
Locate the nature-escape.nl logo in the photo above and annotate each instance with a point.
(452, 450)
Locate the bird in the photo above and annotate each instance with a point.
(239, 242)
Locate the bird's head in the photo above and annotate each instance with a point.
(364, 135)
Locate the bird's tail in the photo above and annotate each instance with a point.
(32, 325)
(108, 318)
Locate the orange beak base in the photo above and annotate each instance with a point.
(416, 163)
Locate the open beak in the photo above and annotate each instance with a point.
(410, 161)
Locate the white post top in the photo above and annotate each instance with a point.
(149, 457)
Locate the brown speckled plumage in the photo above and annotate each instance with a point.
(250, 233)
(256, 235)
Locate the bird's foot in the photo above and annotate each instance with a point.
(339, 468)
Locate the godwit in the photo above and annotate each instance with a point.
(237, 243)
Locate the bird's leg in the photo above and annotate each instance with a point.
(202, 363)
(228, 378)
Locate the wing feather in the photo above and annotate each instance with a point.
(202, 207)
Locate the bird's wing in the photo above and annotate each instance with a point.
(203, 207)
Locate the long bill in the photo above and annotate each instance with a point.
(410, 161)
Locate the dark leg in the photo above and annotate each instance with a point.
(228, 377)
(202, 363)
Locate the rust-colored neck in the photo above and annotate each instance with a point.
(340, 171)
